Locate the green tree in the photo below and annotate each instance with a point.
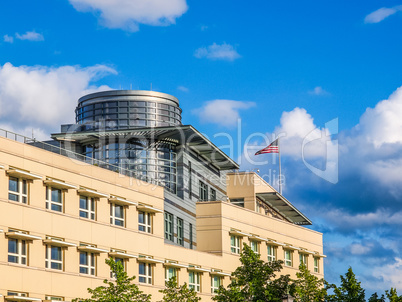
(375, 298)
(307, 287)
(392, 295)
(349, 291)
(175, 293)
(254, 280)
(120, 290)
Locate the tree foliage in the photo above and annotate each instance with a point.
(175, 293)
(392, 295)
(254, 280)
(349, 291)
(307, 287)
(120, 290)
(375, 298)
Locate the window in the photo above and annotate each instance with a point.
(235, 244)
(190, 180)
(54, 199)
(191, 235)
(87, 207)
(213, 194)
(144, 222)
(18, 190)
(17, 251)
(54, 298)
(238, 201)
(288, 257)
(145, 273)
(19, 294)
(194, 281)
(303, 259)
(271, 253)
(215, 283)
(180, 231)
(254, 246)
(54, 257)
(87, 263)
(123, 263)
(168, 226)
(203, 191)
(170, 272)
(116, 214)
(316, 265)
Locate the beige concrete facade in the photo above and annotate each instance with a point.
(40, 225)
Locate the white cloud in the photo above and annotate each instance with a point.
(8, 39)
(318, 91)
(128, 14)
(43, 97)
(183, 88)
(222, 112)
(381, 14)
(391, 274)
(30, 36)
(215, 51)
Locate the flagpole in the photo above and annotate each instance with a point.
(280, 170)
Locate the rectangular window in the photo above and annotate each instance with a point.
(118, 260)
(144, 222)
(213, 194)
(116, 214)
(170, 272)
(271, 253)
(288, 257)
(87, 207)
(191, 235)
(303, 259)
(54, 298)
(145, 273)
(168, 226)
(180, 231)
(54, 257)
(254, 246)
(235, 244)
(190, 180)
(203, 191)
(194, 281)
(18, 190)
(215, 283)
(238, 201)
(316, 265)
(17, 251)
(54, 199)
(87, 263)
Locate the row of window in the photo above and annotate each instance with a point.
(235, 248)
(169, 230)
(18, 191)
(203, 194)
(54, 259)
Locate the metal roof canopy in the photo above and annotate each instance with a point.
(284, 207)
(183, 135)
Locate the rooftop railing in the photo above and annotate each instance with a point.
(76, 156)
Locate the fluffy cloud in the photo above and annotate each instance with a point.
(30, 36)
(318, 91)
(8, 39)
(42, 97)
(222, 112)
(382, 13)
(128, 14)
(225, 52)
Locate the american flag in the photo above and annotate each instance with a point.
(272, 148)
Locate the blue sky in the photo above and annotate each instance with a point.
(283, 67)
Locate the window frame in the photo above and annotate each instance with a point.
(213, 194)
(146, 225)
(147, 277)
(203, 194)
(288, 262)
(90, 267)
(196, 285)
(21, 247)
(48, 257)
(22, 185)
(271, 253)
(317, 265)
(114, 218)
(303, 258)
(257, 246)
(235, 244)
(50, 203)
(214, 289)
(180, 231)
(91, 210)
(173, 270)
(169, 226)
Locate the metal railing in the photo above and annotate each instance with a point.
(76, 156)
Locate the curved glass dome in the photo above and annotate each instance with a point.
(124, 109)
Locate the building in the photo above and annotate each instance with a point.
(160, 198)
